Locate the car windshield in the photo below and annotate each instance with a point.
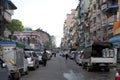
(28, 55)
(39, 54)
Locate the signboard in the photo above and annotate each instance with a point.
(116, 27)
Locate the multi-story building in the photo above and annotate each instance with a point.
(96, 31)
(6, 11)
(98, 21)
(70, 30)
(83, 27)
(29, 37)
(66, 30)
(53, 40)
(110, 9)
(45, 38)
(97, 25)
(114, 7)
(35, 39)
(81, 16)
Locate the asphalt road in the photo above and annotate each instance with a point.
(58, 68)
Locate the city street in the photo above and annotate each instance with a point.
(60, 69)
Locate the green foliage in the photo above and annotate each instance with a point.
(15, 25)
(20, 45)
(12, 37)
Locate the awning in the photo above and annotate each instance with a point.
(115, 39)
(111, 9)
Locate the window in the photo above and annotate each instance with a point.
(94, 20)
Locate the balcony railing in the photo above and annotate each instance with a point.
(111, 8)
(7, 16)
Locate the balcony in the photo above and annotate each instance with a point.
(7, 15)
(111, 9)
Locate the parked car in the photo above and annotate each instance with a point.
(39, 55)
(4, 71)
(49, 54)
(79, 58)
(32, 59)
(73, 54)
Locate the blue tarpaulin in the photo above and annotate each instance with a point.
(115, 39)
(7, 42)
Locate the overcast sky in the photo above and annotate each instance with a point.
(48, 15)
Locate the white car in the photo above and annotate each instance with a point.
(32, 59)
(79, 58)
(39, 54)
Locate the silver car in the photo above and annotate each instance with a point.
(39, 54)
(32, 59)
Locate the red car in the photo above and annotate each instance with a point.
(117, 77)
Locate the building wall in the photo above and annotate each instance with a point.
(6, 12)
(28, 37)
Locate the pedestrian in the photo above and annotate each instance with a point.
(44, 58)
(66, 56)
(54, 54)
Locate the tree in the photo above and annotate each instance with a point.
(15, 25)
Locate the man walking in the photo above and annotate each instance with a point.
(44, 58)
(66, 56)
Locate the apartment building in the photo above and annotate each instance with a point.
(6, 12)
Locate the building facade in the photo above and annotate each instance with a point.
(6, 11)
(97, 21)
(28, 38)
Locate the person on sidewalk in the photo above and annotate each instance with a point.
(44, 58)
(66, 56)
